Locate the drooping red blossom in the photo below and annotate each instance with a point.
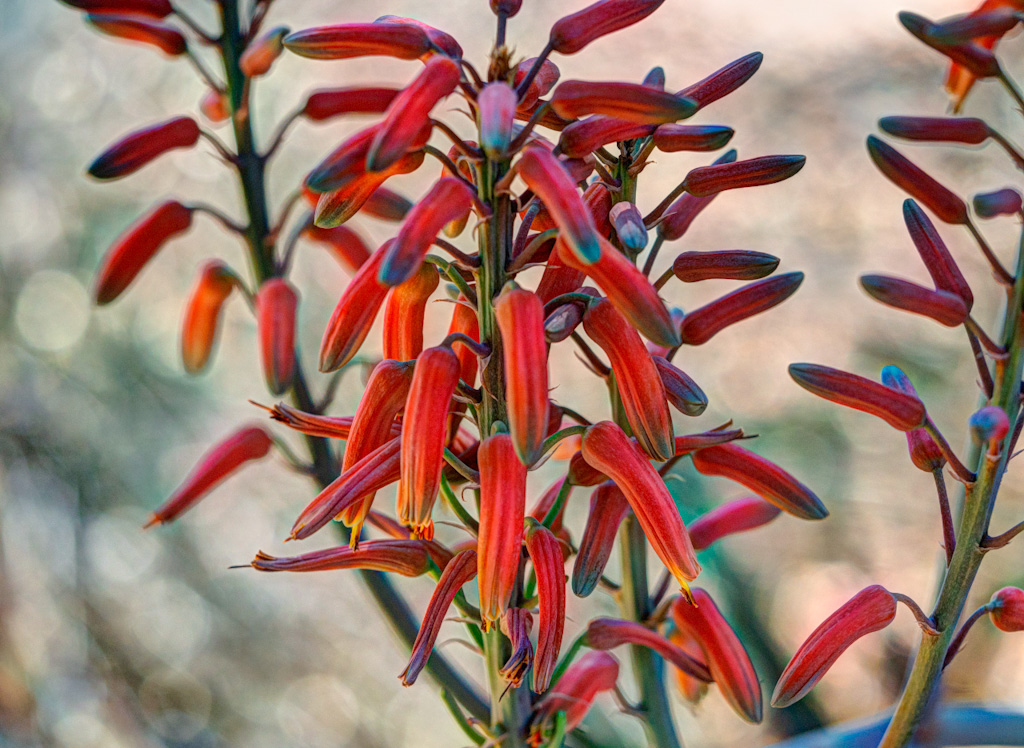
(137, 149)
(202, 315)
(148, 8)
(709, 180)
(406, 557)
(574, 693)
(337, 207)
(549, 566)
(404, 311)
(730, 518)
(276, 305)
(608, 507)
(899, 409)
(609, 633)
(515, 625)
(700, 325)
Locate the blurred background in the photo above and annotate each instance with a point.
(111, 636)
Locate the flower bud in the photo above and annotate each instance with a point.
(591, 674)
(406, 557)
(899, 409)
(139, 29)
(730, 518)
(276, 304)
(671, 138)
(989, 426)
(349, 40)
(609, 633)
(912, 179)
(692, 689)
(215, 106)
(354, 315)
(992, 20)
(260, 55)
(753, 172)
(682, 392)
(970, 130)
(924, 452)
(387, 205)
(682, 212)
(582, 473)
(630, 102)
(328, 103)
(148, 8)
(585, 136)
(871, 609)
(700, 325)
(496, 110)
(937, 260)
(1005, 202)
(1006, 609)
(404, 311)
(977, 60)
(729, 264)
(330, 427)
(441, 41)
(134, 151)
(549, 566)
(219, 463)
(690, 443)
(629, 226)
(542, 83)
(507, 8)
(202, 315)
(942, 306)
(572, 33)
(764, 478)
(608, 507)
(723, 82)
(346, 245)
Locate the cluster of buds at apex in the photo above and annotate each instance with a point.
(225, 459)
(871, 609)
(924, 452)
(137, 246)
(574, 693)
(276, 305)
(609, 633)
(606, 448)
(140, 29)
(404, 311)
(608, 507)
(733, 517)
(764, 478)
(202, 314)
(410, 558)
(549, 566)
(1006, 609)
(726, 658)
(572, 33)
(134, 151)
(702, 324)
(912, 179)
(1004, 202)
(502, 513)
(901, 410)
(460, 570)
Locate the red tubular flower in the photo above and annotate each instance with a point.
(606, 448)
(549, 566)
(752, 172)
(502, 510)
(446, 201)
(387, 205)
(276, 304)
(871, 609)
(636, 378)
(348, 40)
(1005, 202)
(912, 179)
(334, 208)
(682, 392)
(692, 442)
(681, 214)
(347, 163)
(942, 306)
(136, 246)
(937, 260)
(202, 314)
(496, 111)
(441, 40)
(465, 321)
(353, 316)
(373, 425)
(140, 29)
(260, 55)
(700, 325)
(630, 291)
(374, 471)
(585, 136)
(591, 674)
(148, 8)
(542, 83)
(1006, 609)
(723, 82)
(507, 8)
(459, 570)
(974, 58)
(728, 661)
(728, 264)
(671, 138)
(331, 427)
(558, 277)
(970, 130)
(329, 103)
(924, 452)
(764, 478)
(609, 633)
(631, 102)
(572, 33)
(692, 689)
(899, 409)
(345, 244)
(134, 151)
(582, 473)
(608, 507)
(629, 225)
(410, 111)
(730, 518)
(520, 317)
(516, 625)
(226, 457)
(406, 557)
(403, 314)
(424, 433)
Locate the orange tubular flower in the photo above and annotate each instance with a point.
(735, 516)
(354, 315)
(459, 570)
(591, 674)
(450, 198)
(942, 306)
(549, 566)
(502, 510)
(366, 476)
(424, 433)
(572, 33)
(753, 172)
(329, 103)
(723, 82)
(630, 291)
(373, 423)
(403, 314)
(349, 40)
(137, 246)
(939, 262)
(138, 29)
(606, 448)
(410, 111)
(202, 315)
(347, 163)
(631, 102)
(520, 317)
(764, 478)
(549, 180)
(406, 557)
(134, 151)
(331, 427)
(148, 8)
(871, 609)
(682, 392)
(516, 625)
(900, 410)
(912, 179)
(345, 244)
(609, 633)
(226, 457)
(496, 111)
(608, 507)
(276, 303)
(334, 208)
(636, 378)
(728, 264)
(730, 666)
(700, 325)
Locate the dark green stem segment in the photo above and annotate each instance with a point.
(973, 527)
(261, 242)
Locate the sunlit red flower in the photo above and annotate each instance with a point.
(404, 311)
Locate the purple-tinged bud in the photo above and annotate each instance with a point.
(584, 136)
(924, 452)
(1005, 202)
(626, 101)
(723, 82)
(1006, 609)
(974, 26)
(968, 130)
(683, 211)
(753, 172)
(936, 257)
(682, 392)
(572, 33)
(655, 78)
(629, 226)
(728, 264)
(700, 325)
(980, 62)
(942, 306)
(507, 8)
(912, 179)
(496, 110)
(900, 410)
(989, 426)
(671, 137)
(608, 507)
